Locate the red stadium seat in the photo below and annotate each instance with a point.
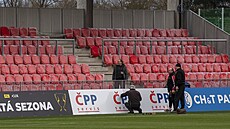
(81, 77)
(180, 59)
(186, 68)
(163, 33)
(112, 50)
(32, 31)
(9, 59)
(6, 49)
(188, 59)
(45, 42)
(2, 59)
(81, 42)
(76, 68)
(172, 59)
(133, 59)
(41, 69)
(23, 31)
(109, 33)
(35, 59)
(117, 32)
(157, 59)
(148, 33)
(219, 59)
(54, 59)
(224, 68)
(27, 59)
(125, 59)
(63, 78)
(98, 41)
(14, 49)
(147, 68)
(135, 77)
(160, 50)
(93, 32)
(129, 50)
(189, 50)
(138, 68)
(140, 33)
(71, 78)
(32, 69)
(85, 69)
(72, 59)
(115, 59)
(144, 77)
(14, 69)
(161, 77)
(42, 49)
(163, 68)
(45, 59)
(152, 77)
(85, 32)
(216, 68)
(4, 31)
(23, 69)
(122, 50)
(195, 59)
(63, 59)
(201, 68)
(102, 33)
(90, 41)
(18, 59)
(144, 50)
(142, 59)
(50, 50)
(132, 32)
(14, 31)
(155, 68)
(125, 33)
(174, 50)
(156, 33)
(67, 69)
(5, 69)
(211, 58)
(58, 69)
(49, 69)
(108, 60)
(225, 58)
(165, 59)
(130, 68)
(209, 67)
(149, 59)
(18, 79)
(195, 68)
(203, 58)
(76, 32)
(31, 50)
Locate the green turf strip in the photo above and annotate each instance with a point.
(216, 120)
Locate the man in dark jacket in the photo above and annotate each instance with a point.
(120, 74)
(134, 100)
(171, 90)
(179, 86)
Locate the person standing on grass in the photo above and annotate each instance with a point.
(171, 90)
(180, 87)
(120, 74)
(134, 100)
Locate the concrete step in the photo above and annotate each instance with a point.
(83, 55)
(88, 60)
(98, 69)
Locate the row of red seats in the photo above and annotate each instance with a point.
(130, 50)
(25, 42)
(52, 78)
(150, 59)
(83, 42)
(163, 68)
(44, 69)
(109, 32)
(35, 59)
(13, 31)
(31, 49)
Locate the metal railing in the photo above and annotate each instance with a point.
(163, 40)
(76, 85)
(37, 44)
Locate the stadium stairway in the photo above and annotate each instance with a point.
(83, 56)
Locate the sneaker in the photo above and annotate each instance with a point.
(168, 110)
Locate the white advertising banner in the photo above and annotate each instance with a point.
(108, 101)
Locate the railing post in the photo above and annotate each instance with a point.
(196, 48)
(20, 47)
(166, 47)
(151, 48)
(56, 46)
(102, 54)
(222, 18)
(74, 47)
(135, 47)
(3, 47)
(38, 53)
(118, 49)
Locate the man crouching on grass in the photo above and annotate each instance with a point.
(134, 100)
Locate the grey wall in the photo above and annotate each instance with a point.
(133, 19)
(199, 27)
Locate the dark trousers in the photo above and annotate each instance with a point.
(132, 107)
(119, 84)
(172, 100)
(180, 97)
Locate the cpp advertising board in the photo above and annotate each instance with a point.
(35, 103)
(110, 102)
(207, 99)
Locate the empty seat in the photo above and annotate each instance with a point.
(58, 69)
(41, 69)
(46, 78)
(5, 69)
(31, 49)
(130, 68)
(188, 59)
(72, 59)
(23, 31)
(157, 59)
(35, 59)
(54, 59)
(90, 41)
(63, 59)
(203, 58)
(116, 58)
(144, 50)
(85, 69)
(49, 69)
(163, 68)
(109, 32)
(155, 68)
(112, 50)
(81, 42)
(45, 40)
(23, 69)
(9, 59)
(117, 32)
(76, 68)
(2, 59)
(45, 59)
(32, 31)
(108, 60)
(125, 33)
(14, 69)
(165, 59)
(18, 79)
(32, 69)
(133, 59)
(129, 50)
(160, 50)
(18, 59)
(76, 32)
(14, 31)
(189, 50)
(27, 59)
(195, 59)
(71, 78)
(216, 68)
(50, 50)
(225, 58)
(68, 69)
(102, 33)
(63, 78)
(148, 33)
(98, 41)
(149, 59)
(172, 59)
(14, 49)
(147, 68)
(135, 77)
(209, 67)
(180, 59)
(105, 50)
(27, 42)
(219, 59)
(211, 58)
(224, 68)
(93, 32)
(138, 68)
(141, 59)
(156, 33)
(4, 31)
(186, 68)
(42, 49)
(140, 32)
(85, 32)
(201, 68)
(125, 59)
(54, 79)
(195, 68)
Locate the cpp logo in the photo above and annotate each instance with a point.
(158, 97)
(118, 100)
(85, 99)
(188, 99)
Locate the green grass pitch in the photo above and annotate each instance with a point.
(208, 120)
